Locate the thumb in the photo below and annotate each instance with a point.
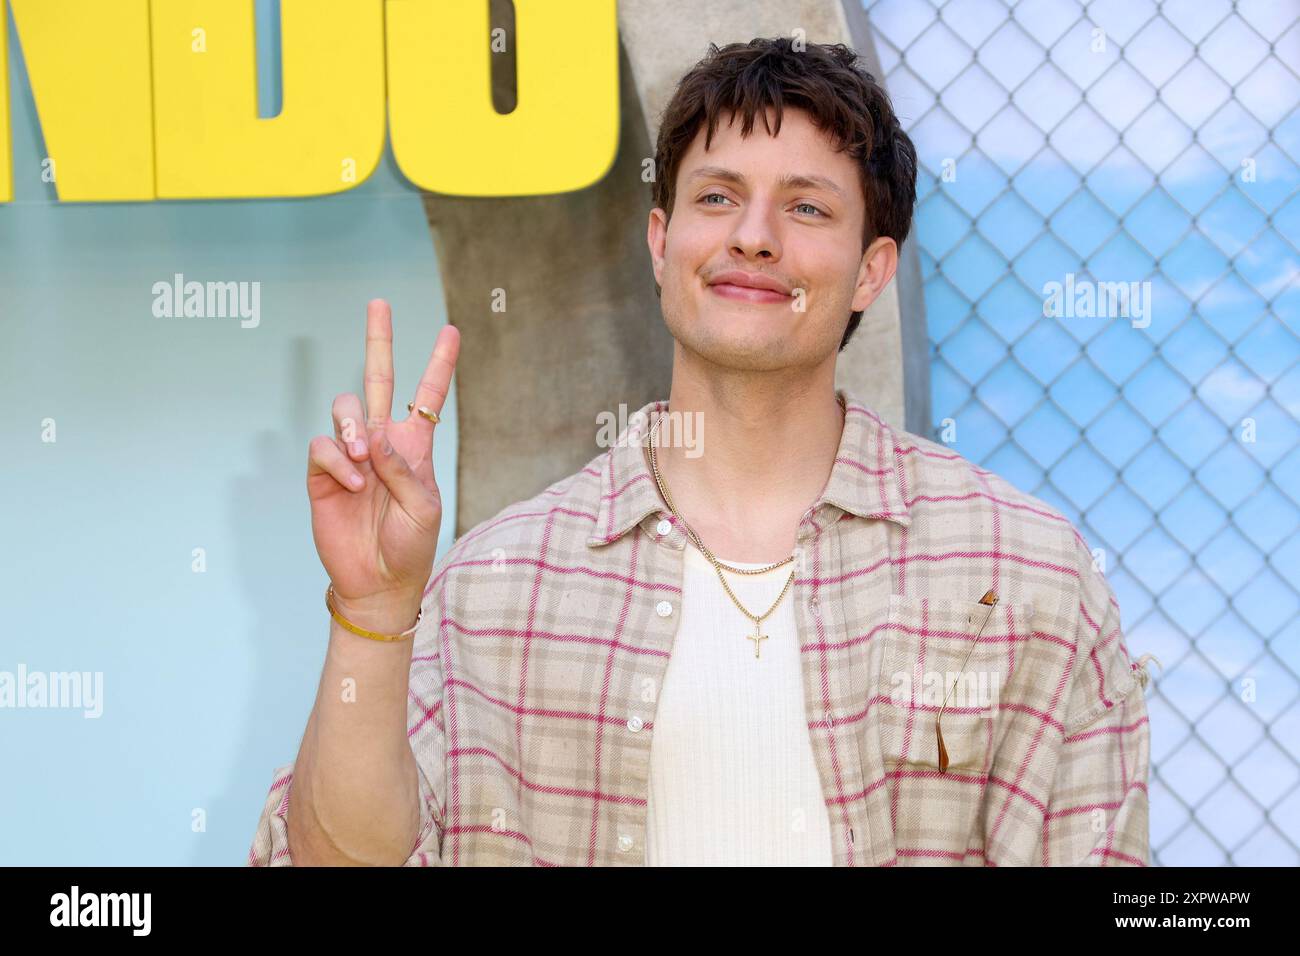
(401, 481)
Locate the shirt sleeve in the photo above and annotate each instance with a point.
(426, 732)
(1096, 813)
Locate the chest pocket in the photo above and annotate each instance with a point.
(931, 655)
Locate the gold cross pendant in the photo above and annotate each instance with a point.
(756, 637)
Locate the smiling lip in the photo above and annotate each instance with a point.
(745, 288)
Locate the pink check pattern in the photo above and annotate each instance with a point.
(547, 631)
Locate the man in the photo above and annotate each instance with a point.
(763, 627)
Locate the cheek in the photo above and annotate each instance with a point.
(685, 243)
(693, 241)
(835, 279)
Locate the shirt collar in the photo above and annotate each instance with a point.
(864, 479)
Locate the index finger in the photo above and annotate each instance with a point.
(379, 363)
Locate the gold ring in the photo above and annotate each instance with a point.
(423, 410)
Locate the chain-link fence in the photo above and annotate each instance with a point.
(1108, 220)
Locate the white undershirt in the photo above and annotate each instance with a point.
(733, 781)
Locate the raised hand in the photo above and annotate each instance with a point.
(375, 506)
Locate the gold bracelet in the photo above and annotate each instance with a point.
(349, 626)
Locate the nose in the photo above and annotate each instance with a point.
(755, 235)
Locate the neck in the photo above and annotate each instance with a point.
(745, 457)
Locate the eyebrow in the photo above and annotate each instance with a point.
(789, 181)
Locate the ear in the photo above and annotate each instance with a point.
(878, 265)
(656, 238)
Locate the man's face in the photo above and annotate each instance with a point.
(787, 209)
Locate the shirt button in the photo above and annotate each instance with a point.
(664, 528)
(634, 724)
(624, 842)
(663, 609)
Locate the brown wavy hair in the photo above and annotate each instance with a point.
(841, 98)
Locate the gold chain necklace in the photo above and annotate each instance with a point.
(758, 636)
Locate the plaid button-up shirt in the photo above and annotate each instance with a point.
(547, 631)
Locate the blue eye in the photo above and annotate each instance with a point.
(812, 207)
(711, 196)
